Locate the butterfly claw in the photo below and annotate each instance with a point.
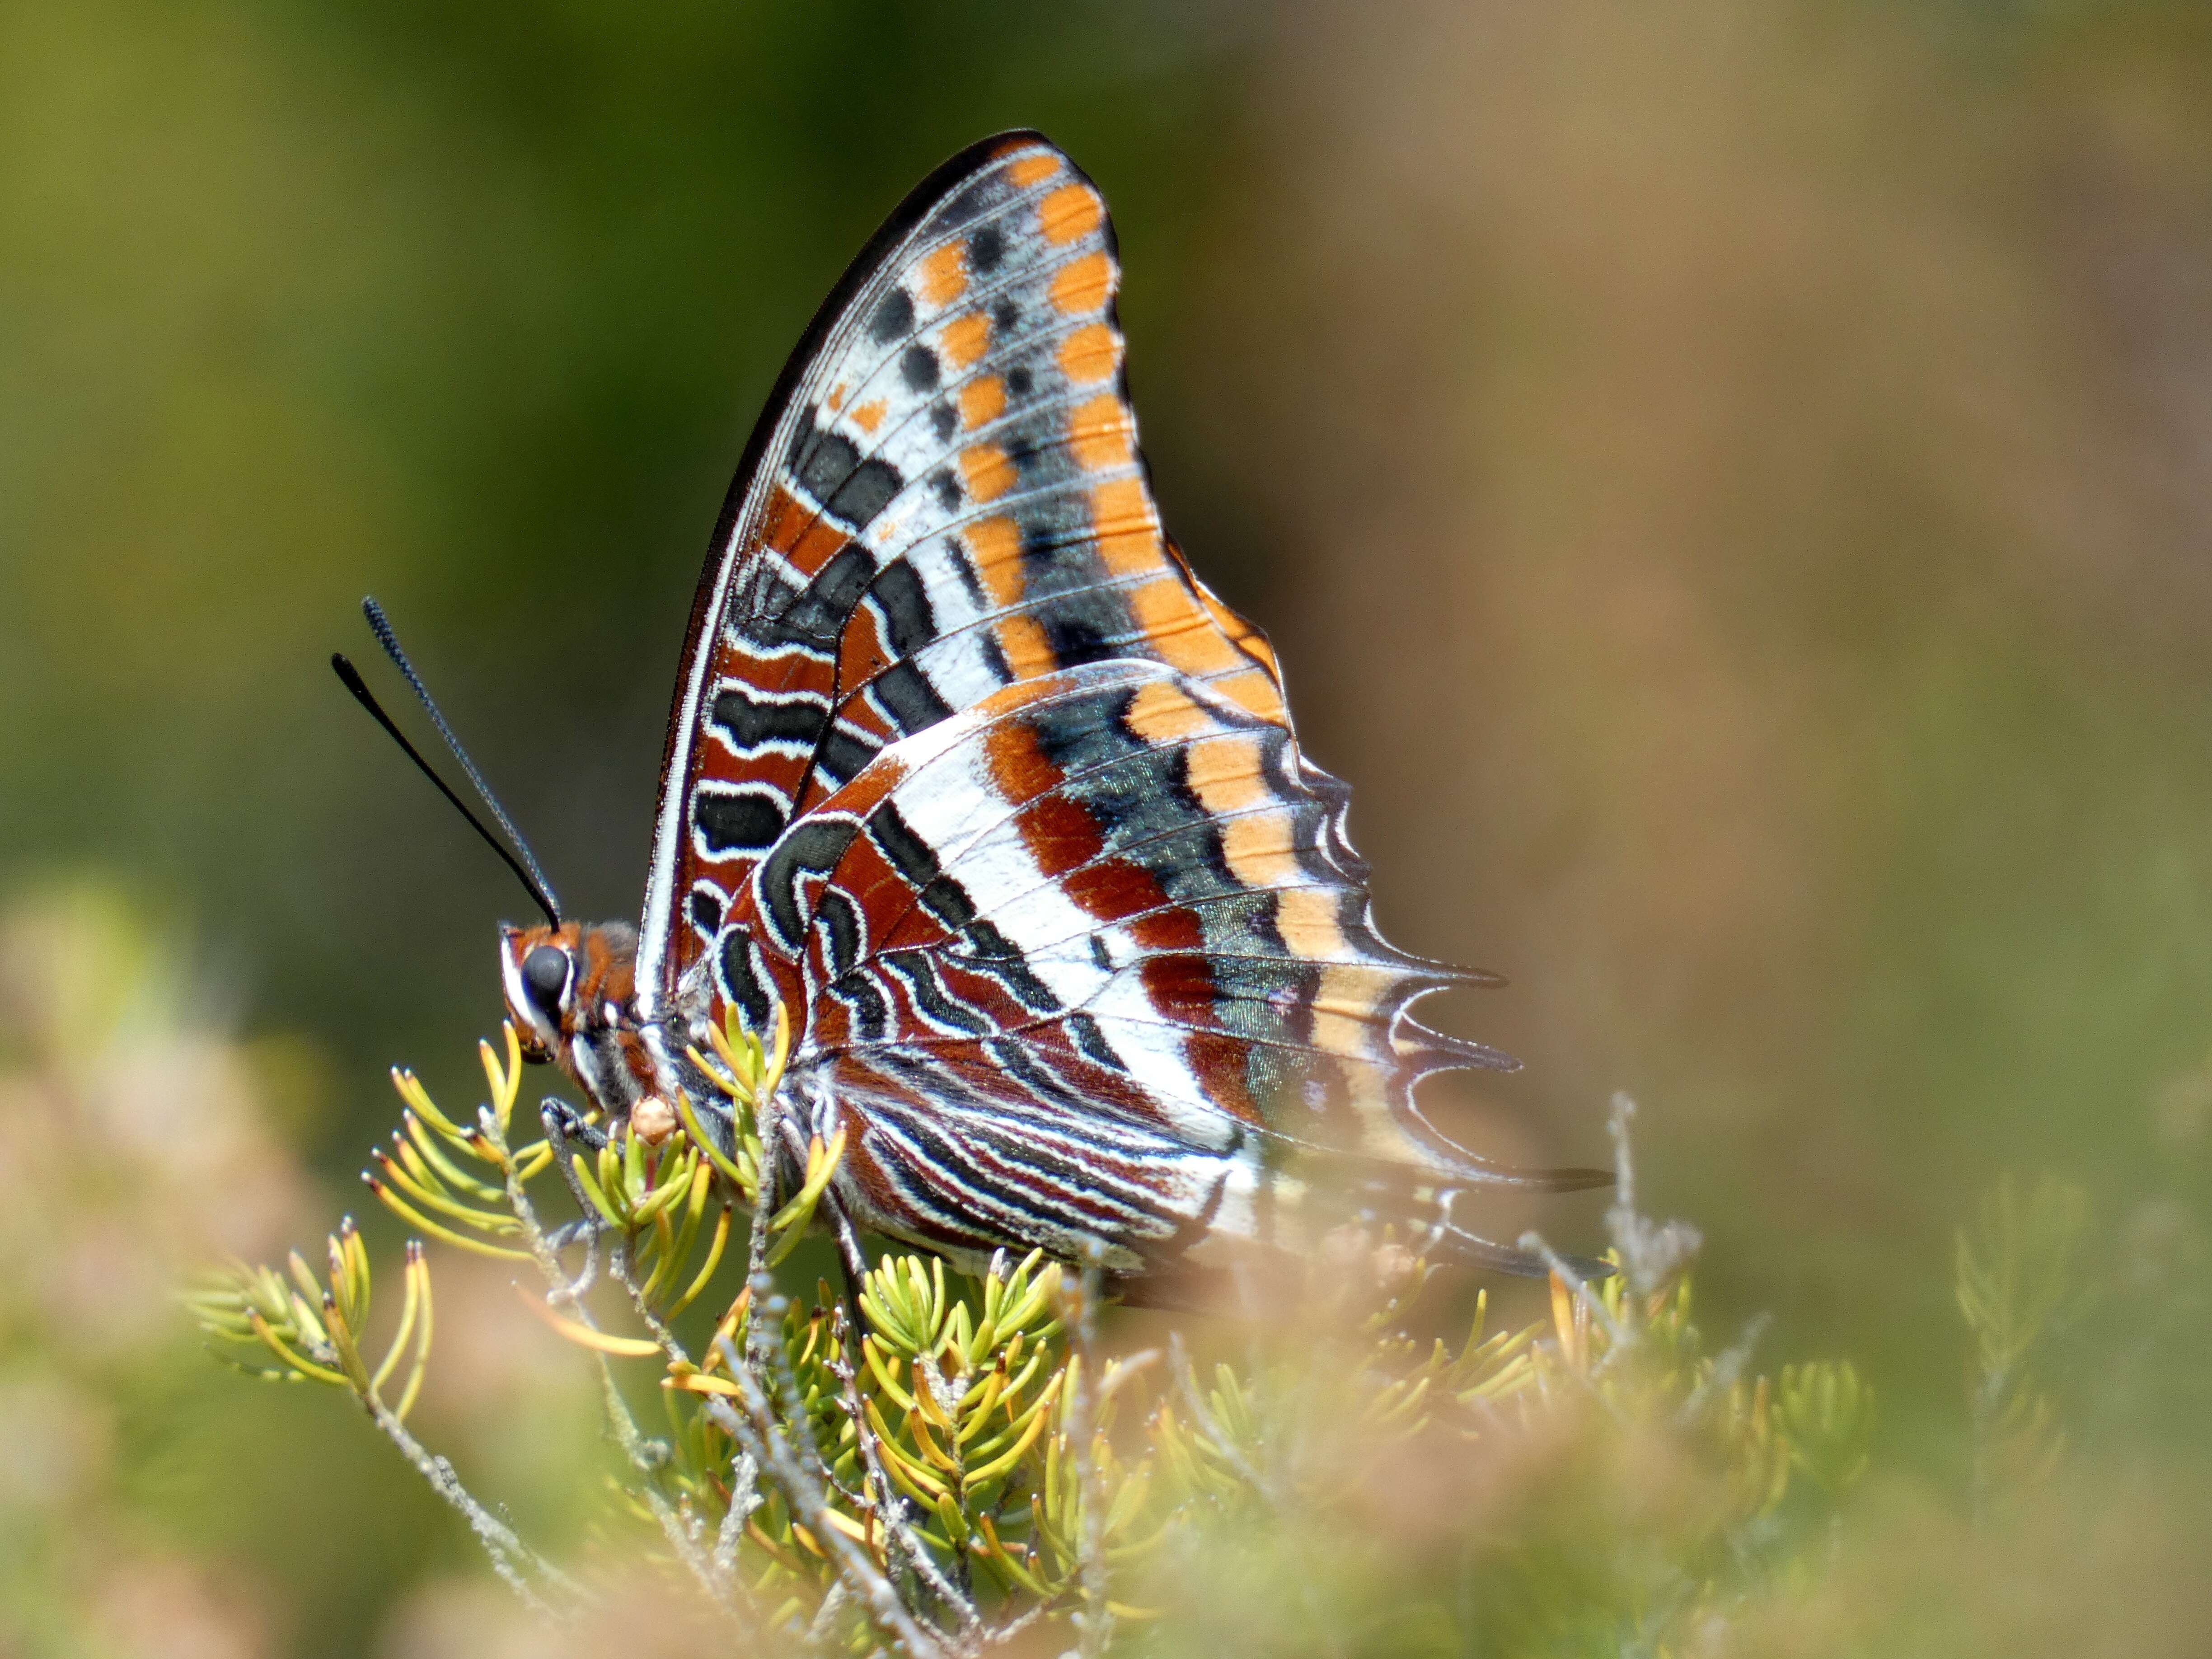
(564, 1124)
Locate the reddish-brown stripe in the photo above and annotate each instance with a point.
(858, 1167)
(861, 715)
(1170, 930)
(882, 895)
(862, 652)
(1018, 766)
(1114, 888)
(1060, 834)
(804, 538)
(1181, 985)
(1222, 1063)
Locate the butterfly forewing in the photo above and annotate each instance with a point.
(945, 497)
(970, 777)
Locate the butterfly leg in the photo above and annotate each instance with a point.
(565, 1127)
(577, 1231)
(564, 1123)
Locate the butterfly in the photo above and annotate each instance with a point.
(972, 782)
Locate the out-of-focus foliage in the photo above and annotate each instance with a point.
(2020, 1281)
(150, 1505)
(945, 1464)
(970, 1468)
(140, 1142)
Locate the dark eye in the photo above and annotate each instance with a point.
(544, 973)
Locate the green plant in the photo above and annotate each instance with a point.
(2020, 1282)
(968, 1461)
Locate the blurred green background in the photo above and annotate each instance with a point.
(1731, 485)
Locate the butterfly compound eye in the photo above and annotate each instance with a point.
(544, 973)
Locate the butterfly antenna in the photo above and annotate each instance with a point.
(526, 868)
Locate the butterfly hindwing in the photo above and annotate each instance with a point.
(944, 497)
(1082, 960)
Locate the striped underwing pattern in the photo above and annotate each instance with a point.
(971, 775)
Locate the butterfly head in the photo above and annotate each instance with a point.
(567, 984)
(537, 969)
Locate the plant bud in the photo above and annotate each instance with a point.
(653, 1120)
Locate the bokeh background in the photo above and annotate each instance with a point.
(1731, 484)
